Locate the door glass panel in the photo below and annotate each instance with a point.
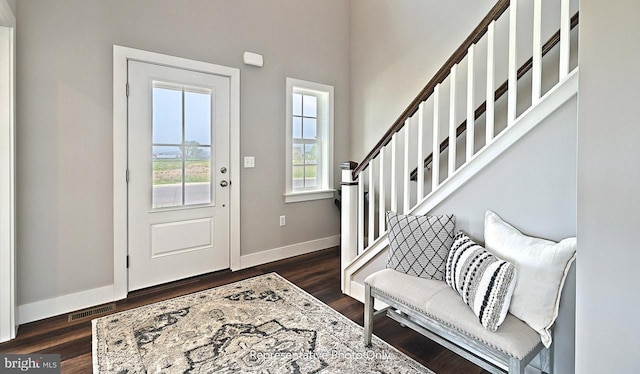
(167, 115)
(181, 148)
(197, 117)
(197, 175)
(167, 177)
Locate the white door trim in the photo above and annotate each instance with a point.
(120, 57)
(8, 314)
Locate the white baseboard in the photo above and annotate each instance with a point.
(275, 254)
(64, 304)
(85, 299)
(357, 291)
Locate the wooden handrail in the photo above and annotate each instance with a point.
(457, 56)
(502, 89)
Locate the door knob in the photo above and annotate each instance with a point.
(224, 183)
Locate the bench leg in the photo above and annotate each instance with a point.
(404, 315)
(516, 366)
(368, 315)
(546, 360)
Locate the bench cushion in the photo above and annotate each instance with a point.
(438, 301)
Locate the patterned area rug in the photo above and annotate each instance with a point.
(260, 325)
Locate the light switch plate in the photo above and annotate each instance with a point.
(249, 162)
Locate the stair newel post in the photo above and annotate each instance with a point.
(349, 218)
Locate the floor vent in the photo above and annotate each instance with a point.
(86, 313)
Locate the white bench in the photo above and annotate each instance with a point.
(436, 311)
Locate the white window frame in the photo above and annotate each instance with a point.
(8, 312)
(325, 130)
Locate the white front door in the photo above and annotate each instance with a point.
(178, 164)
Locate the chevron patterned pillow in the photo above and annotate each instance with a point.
(484, 281)
(418, 245)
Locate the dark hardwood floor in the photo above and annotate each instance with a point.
(317, 273)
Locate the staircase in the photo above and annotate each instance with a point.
(458, 124)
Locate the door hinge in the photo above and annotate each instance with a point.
(127, 176)
(127, 261)
(127, 89)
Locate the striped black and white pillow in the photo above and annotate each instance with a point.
(418, 245)
(484, 281)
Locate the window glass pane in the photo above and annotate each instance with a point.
(309, 106)
(309, 128)
(167, 116)
(310, 175)
(298, 176)
(197, 175)
(310, 154)
(297, 127)
(298, 154)
(167, 177)
(297, 104)
(197, 117)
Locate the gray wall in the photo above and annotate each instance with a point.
(64, 119)
(607, 324)
(12, 5)
(532, 185)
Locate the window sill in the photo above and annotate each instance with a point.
(294, 197)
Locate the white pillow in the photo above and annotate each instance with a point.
(541, 269)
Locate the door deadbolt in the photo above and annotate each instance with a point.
(223, 170)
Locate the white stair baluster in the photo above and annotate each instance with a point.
(536, 72)
(435, 158)
(513, 64)
(406, 176)
(381, 195)
(372, 206)
(565, 43)
(491, 84)
(471, 120)
(394, 187)
(420, 178)
(361, 212)
(453, 131)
